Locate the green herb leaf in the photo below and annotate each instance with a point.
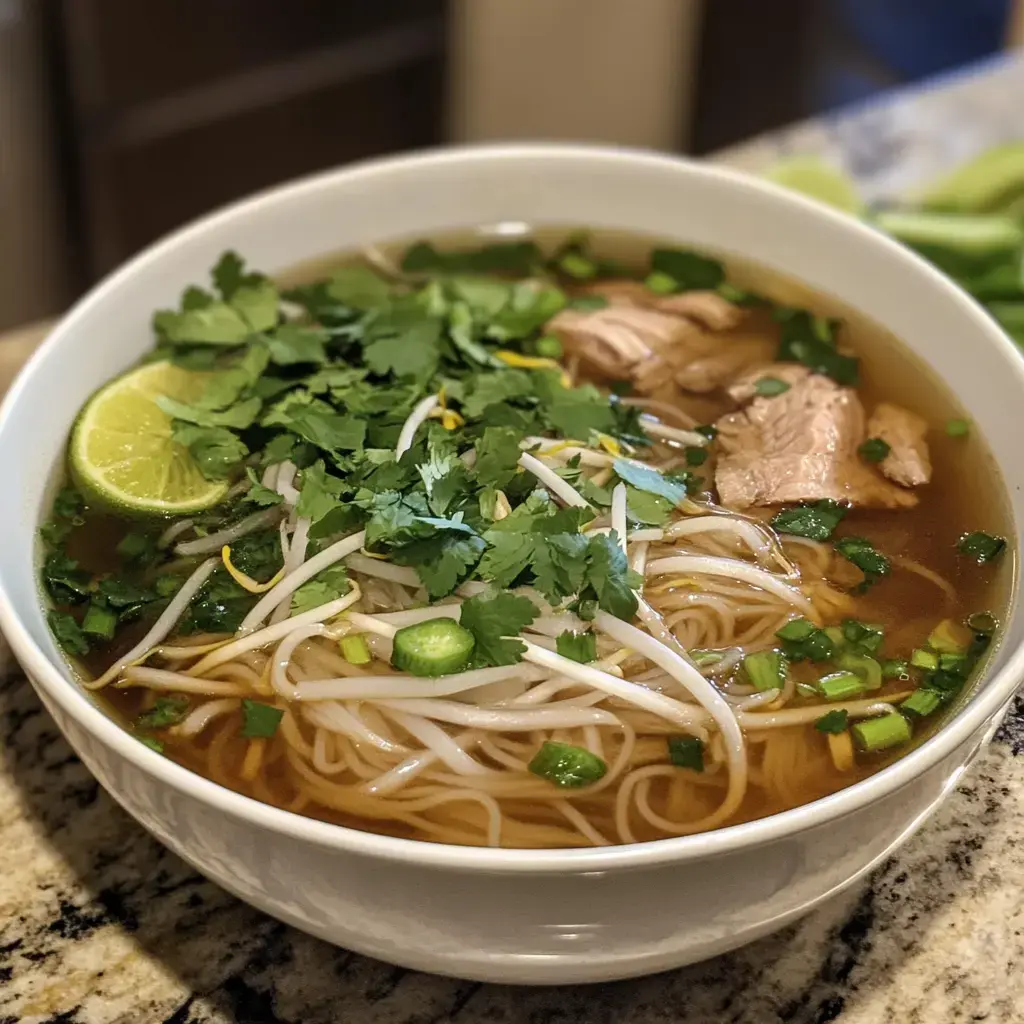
(815, 521)
(689, 270)
(494, 620)
(581, 647)
(609, 575)
(260, 721)
(874, 449)
(769, 387)
(497, 456)
(982, 547)
(686, 752)
(645, 478)
(359, 287)
(834, 721)
(810, 340)
(258, 494)
(67, 633)
(293, 344)
(327, 585)
(66, 582)
(320, 493)
(862, 553)
(216, 450)
(165, 712)
(240, 415)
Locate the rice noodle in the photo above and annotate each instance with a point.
(552, 481)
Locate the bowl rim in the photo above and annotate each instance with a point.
(980, 709)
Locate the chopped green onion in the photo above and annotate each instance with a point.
(67, 632)
(958, 428)
(928, 660)
(921, 703)
(686, 752)
(863, 554)
(576, 265)
(581, 647)
(982, 547)
(566, 765)
(796, 629)
(769, 387)
(982, 622)
(166, 711)
(841, 686)
(948, 637)
(874, 449)
(815, 521)
(548, 346)
(99, 620)
(695, 456)
(802, 640)
(867, 635)
(806, 690)
(355, 650)
(661, 283)
(874, 734)
(166, 585)
(766, 670)
(836, 635)
(260, 721)
(862, 665)
(895, 668)
(834, 721)
(152, 743)
(953, 662)
(732, 293)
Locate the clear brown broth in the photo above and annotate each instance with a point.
(966, 493)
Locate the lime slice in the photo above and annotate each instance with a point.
(122, 453)
(817, 180)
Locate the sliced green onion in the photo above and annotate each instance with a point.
(982, 622)
(661, 283)
(874, 734)
(695, 456)
(686, 752)
(99, 620)
(355, 650)
(834, 721)
(953, 662)
(868, 635)
(260, 721)
(928, 660)
(862, 665)
(796, 629)
(566, 765)
(806, 690)
(895, 668)
(576, 265)
(921, 703)
(769, 387)
(548, 346)
(980, 546)
(841, 686)
(766, 670)
(874, 449)
(835, 634)
(958, 428)
(166, 585)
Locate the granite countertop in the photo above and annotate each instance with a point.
(100, 924)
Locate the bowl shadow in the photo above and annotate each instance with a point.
(96, 884)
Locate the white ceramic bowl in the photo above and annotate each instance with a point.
(508, 915)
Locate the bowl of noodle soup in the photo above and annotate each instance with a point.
(577, 562)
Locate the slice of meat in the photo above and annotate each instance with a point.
(634, 338)
(908, 462)
(707, 308)
(800, 446)
(744, 388)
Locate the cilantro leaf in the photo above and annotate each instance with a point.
(328, 430)
(359, 287)
(66, 582)
(295, 343)
(403, 340)
(815, 521)
(68, 633)
(574, 412)
(689, 270)
(320, 493)
(258, 494)
(581, 647)
(442, 560)
(460, 331)
(519, 259)
(559, 564)
(527, 311)
(240, 415)
(166, 711)
(492, 618)
(256, 303)
(497, 456)
(491, 388)
(644, 507)
(327, 585)
(216, 324)
(216, 450)
(506, 557)
(229, 273)
(609, 575)
(810, 340)
(645, 478)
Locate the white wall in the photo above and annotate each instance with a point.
(617, 71)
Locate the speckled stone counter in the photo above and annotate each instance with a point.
(99, 924)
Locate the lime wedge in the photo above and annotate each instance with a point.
(122, 453)
(817, 180)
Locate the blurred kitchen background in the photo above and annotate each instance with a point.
(122, 119)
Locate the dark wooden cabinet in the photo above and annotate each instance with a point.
(174, 107)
